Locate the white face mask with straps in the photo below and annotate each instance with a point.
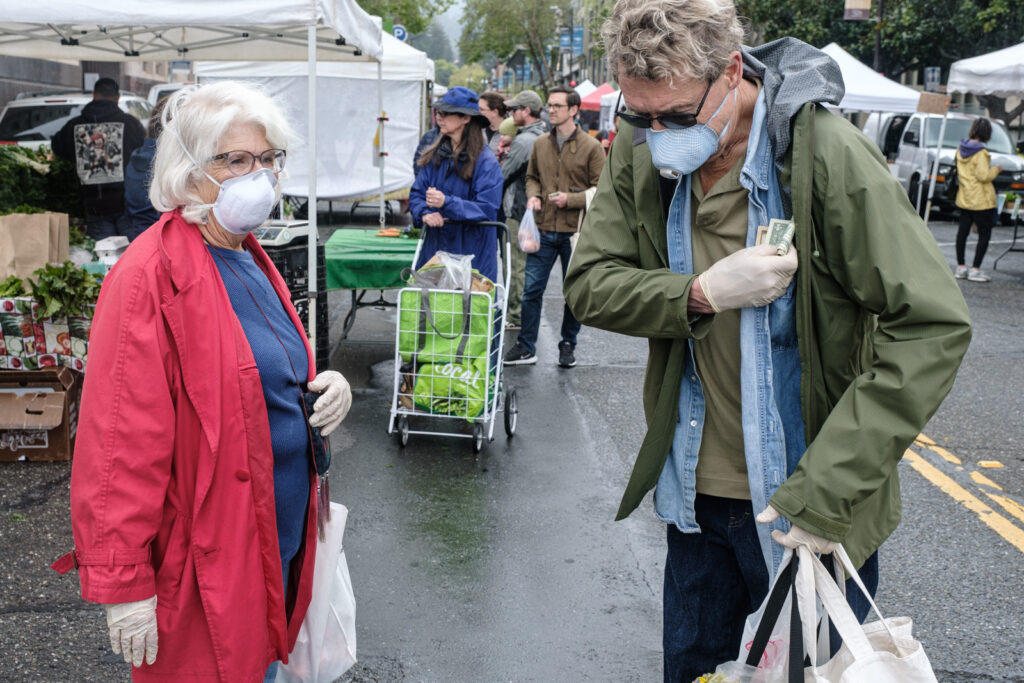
(244, 202)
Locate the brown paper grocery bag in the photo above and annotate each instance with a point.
(59, 237)
(24, 243)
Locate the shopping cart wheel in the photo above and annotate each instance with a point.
(403, 430)
(511, 412)
(478, 437)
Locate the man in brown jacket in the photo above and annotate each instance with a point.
(563, 164)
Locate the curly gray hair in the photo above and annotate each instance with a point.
(657, 40)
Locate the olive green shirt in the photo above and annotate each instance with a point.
(718, 222)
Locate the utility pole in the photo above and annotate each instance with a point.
(878, 37)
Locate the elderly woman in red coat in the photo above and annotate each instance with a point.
(192, 485)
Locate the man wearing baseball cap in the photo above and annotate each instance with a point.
(525, 109)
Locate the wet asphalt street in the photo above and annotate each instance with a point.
(508, 567)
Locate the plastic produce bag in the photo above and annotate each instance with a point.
(458, 271)
(326, 645)
(529, 235)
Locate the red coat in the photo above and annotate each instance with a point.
(172, 485)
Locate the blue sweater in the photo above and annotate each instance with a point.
(137, 176)
(288, 435)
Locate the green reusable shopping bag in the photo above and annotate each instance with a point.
(439, 327)
(461, 390)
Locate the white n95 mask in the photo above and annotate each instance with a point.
(244, 202)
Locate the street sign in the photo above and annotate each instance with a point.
(932, 78)
(398, 31)
(577, 40)
(857, 10)
(181, 66)
(563, 39)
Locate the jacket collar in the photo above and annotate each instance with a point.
(572, 136)
(184, 254)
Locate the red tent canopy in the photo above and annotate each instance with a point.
(592, 102)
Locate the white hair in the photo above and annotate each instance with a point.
(657, 40)
(197, 118)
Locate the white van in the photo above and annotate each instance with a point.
(32, 120)
(908, 142)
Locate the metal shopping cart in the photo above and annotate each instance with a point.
(448, 352)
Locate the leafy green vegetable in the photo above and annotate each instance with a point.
(78, 238)
(64, 290)
(22, 208)
(12, 286)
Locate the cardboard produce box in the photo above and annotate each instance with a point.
(39, 413)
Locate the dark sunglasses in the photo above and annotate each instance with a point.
(671, 121)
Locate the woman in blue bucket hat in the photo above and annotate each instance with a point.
(459, 183)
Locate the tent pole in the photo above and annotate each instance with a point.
(311, 212)
(380, 150)
(935, 164)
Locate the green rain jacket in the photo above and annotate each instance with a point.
(881, 322)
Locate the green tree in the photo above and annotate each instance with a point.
(415, 15)
(501, 27)
(435, 42)
(469, 76)
(443, 70)
(914, 33)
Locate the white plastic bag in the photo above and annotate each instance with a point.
(529, 235)
(326, 645)
(458, 271)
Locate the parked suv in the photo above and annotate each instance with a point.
(908, 142)
(32, 120)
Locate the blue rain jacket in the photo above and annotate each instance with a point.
(465, 203)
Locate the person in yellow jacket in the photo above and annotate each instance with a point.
(976, 197)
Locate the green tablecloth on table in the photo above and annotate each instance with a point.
(358, 259)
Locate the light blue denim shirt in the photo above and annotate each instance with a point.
(773, 430)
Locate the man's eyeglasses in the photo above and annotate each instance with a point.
(240, 162)
(672, 121)
(555, 105)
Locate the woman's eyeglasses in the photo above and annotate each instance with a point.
(240, 162)
(671, 121)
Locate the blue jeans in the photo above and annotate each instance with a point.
(99, 227)
(271, 674)
(713, 580)
(553, 245)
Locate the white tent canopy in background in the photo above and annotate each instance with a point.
(608, 102)
(346, 115)
(585, 88)
(868, 90)
(157, 30)
(996, 73)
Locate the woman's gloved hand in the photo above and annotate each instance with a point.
(335, 400)
(796, 537)
(133, 631)
(754, 276)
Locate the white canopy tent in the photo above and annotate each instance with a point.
(868, 90)
(996, 73)
(157, 30)
(608, 110)
(346, 156)
(585, 88)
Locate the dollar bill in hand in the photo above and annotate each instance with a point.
(780, 234)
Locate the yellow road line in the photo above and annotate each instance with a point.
(1009, 504)
(1001, 525)
(924, 441)
(980, 478)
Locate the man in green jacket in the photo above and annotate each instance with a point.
(789, 400)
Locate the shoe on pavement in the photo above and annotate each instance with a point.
(566, 359)
(961, 273)
(517, 355)
(977, 276)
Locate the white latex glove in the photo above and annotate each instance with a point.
(132, 628)
(753, 276)
(796, 537)
(332, 406)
